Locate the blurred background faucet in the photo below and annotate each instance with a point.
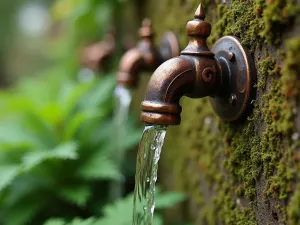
(146, 56)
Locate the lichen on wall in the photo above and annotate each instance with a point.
(244, 172)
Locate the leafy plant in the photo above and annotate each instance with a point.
(120, 212)
(56, 149)
(57, 141)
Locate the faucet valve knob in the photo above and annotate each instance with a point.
(146, 30)
(198, 31)
(198, 26)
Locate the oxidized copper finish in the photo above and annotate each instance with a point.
(146, 56)
(96, 55)
(197, 73)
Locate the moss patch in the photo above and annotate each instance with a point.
(294, 208)
(277, 15)
(239, 20)
(291, 68)
(267, 67)
(255, 22)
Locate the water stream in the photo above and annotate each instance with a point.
(146, 174)
(122, 100)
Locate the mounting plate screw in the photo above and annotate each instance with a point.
(232, 99)
(231, 56)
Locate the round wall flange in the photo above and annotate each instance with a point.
(238, 79)
(169, 46)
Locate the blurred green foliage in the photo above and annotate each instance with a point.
(56, 149)
(120, 212)
(57, 136)
(82, 22)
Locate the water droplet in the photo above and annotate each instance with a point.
(294, 111)
(295, 136)
(152, 147)
(238, 201)
(207, 121)
(152, 209)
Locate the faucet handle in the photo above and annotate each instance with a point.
(198, 26)
(198, 31)
(146, 30)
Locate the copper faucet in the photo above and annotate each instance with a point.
(146, 56)
(95, 56)
(227, 74)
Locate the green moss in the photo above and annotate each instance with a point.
(266, 67)
(278, 15)
(229, 211)
(291, 68)
(280, 185)
(279, 120)
(277, 116)
(255, 22)
(239, 20)
(294, 208)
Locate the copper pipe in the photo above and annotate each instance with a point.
(195, 73)
(144, 57)
(130, 65)
(95, 56)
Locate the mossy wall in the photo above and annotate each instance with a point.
(245, 172)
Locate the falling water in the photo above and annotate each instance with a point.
(146, 174)
(123, 100)
(86, 75)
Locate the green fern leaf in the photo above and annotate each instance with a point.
(64, 151)
(124, 209)
(79, 119)
(7, 174)
(79, 221)
(119, 212)
(55, 221)
(40, 128)
(167, 200)
(78, 195)
(98, 166)
(69, 96)
(99, 94)
(132, 137)
(21, 214)
(157, 220)
(12, 136)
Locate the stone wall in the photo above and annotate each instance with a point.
(245, 172)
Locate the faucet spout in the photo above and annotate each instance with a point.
(95, 56)
(170, 81)
(130, 64)
(195, 73)
(145, 56)
(175, 78)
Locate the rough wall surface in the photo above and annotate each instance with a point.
(246, 172)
